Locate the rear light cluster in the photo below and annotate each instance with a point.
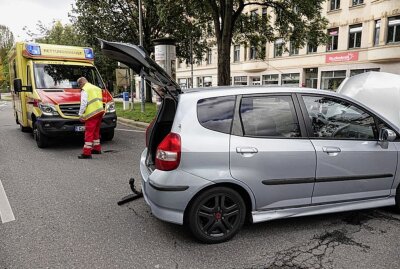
(168, 153)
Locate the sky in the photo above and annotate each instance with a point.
(15, 14)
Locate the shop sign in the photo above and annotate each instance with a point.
(341, 57)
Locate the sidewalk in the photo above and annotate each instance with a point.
(133, 123)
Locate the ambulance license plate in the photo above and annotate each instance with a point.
(79, 128)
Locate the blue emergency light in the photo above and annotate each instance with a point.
(88, 53)
(33, 49)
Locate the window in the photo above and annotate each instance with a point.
(330, 80)
(255, 80)
(216, 113)
(236, 53)
(311, 48)
(209, 56)
(360, 71)
(242, 80)
(269, 116)
(355, 32)
(377, 32)
(293, 50)
(335, 4)
(278, 48)
(338, 119)
(183, 83)
(60, 76)
(357, 2)
(199, 81)
(264, 18)
(291, 79)
(333, 39)
(207, 81)
(394, 30)
(253, 51)
(270, 79)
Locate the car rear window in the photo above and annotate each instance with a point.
(216, 113)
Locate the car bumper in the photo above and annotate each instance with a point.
(169, 192)
(56, 126)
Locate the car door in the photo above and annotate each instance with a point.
(351, 164)
(269, 153)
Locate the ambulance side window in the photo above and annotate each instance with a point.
(28, 76)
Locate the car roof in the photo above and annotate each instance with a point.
(233, 90)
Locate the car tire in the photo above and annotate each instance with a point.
(41, 139)
(107, 135)
(216, 215)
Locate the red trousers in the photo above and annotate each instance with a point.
(92, 134)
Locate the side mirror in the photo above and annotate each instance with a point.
(17, 85)
(387, 135)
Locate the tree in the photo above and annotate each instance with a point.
(6, 42)
(296, 21)
(119, 21)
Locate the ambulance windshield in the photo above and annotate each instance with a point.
(59, 76)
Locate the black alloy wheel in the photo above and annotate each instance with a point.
(216, 215)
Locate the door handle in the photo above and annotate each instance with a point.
(246, 150)
(331, 151)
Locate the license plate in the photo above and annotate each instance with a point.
(79, 128)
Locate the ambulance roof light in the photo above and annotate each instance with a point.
(88, 53)
(33, 49)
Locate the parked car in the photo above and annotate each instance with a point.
(215, 158)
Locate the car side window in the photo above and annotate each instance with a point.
(216, 113)
(269, 116)
(339, 119)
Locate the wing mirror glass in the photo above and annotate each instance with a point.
(17, 85)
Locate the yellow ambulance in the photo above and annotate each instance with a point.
(46, 97)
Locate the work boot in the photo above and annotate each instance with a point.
(83, 156)
(96, 151)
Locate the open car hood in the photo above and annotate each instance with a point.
(136, 58)
(379, 91)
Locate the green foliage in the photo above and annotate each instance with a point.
(6, 42)
(60, 34)
(136, 114)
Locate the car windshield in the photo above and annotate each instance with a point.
(59, 76)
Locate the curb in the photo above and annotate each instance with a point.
(133, 123)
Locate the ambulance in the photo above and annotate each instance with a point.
(45, 93)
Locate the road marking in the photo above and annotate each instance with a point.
(127, 130)
(6, 213)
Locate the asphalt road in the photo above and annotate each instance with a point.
(66, 216)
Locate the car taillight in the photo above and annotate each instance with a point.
(168, 153)
(148, 130)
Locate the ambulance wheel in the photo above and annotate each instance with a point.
(41, 140)
(108, 135)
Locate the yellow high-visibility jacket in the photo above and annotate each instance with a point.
(94, 101)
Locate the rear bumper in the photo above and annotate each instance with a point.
(57, 126)
(169, 192)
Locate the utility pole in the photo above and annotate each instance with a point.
(142, 107)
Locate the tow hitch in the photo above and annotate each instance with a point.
(133, 196)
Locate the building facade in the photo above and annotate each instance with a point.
(364, 35)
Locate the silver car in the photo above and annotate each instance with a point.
(215, 158)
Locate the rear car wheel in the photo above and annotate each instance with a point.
(42, 140)
(216, 215)
(107, 135)
(397, 198)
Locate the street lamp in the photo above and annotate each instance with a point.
(142, 107)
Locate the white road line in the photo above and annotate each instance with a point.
(6, 213)
(127, 130)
